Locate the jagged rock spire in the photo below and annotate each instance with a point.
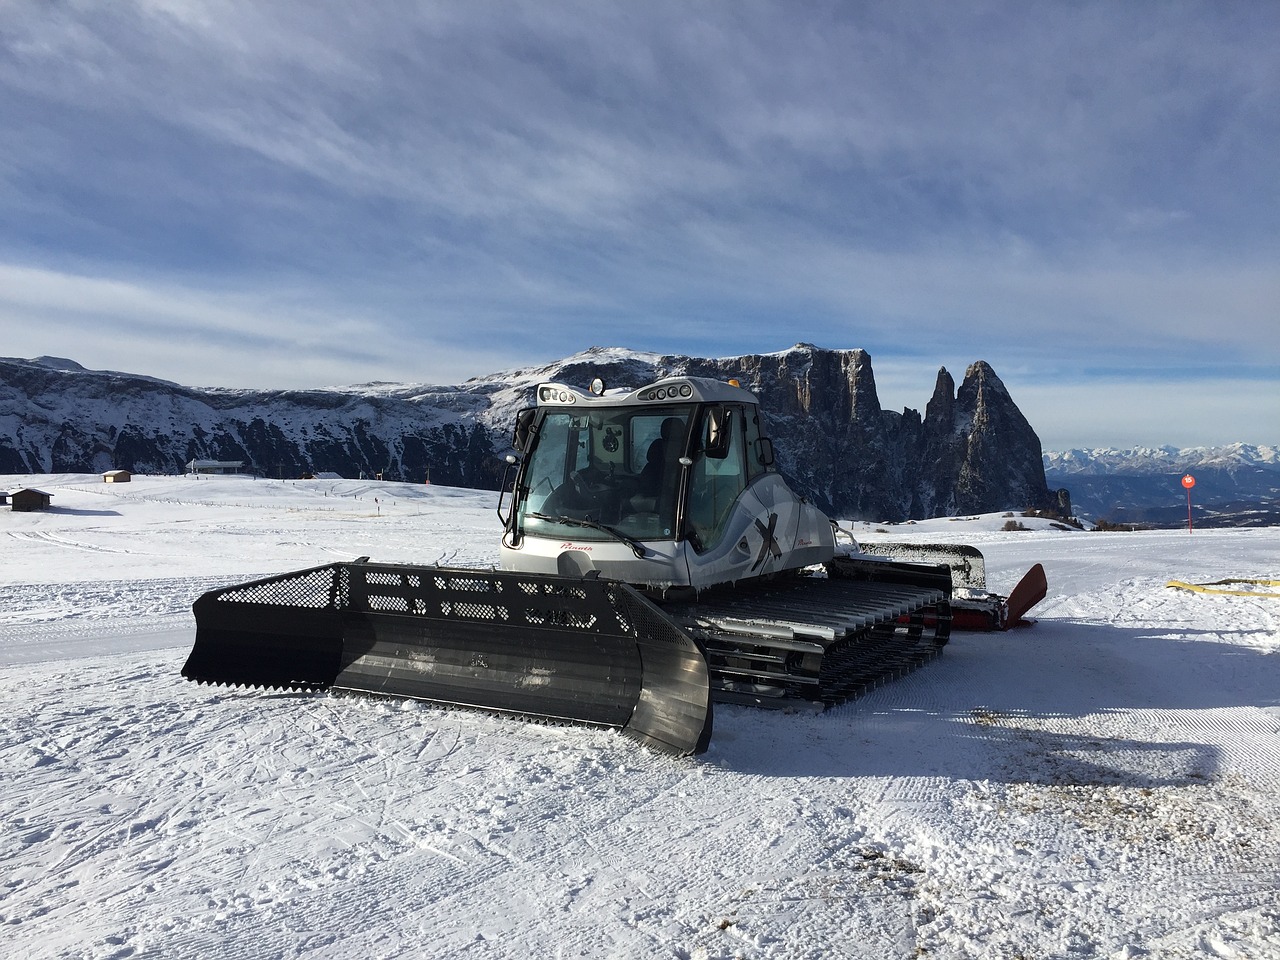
(997, 461)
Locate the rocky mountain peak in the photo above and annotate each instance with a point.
(57, 363)
(939, 412)
(980, 374)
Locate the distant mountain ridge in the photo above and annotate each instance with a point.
(971, 452)
(1236, 484)
(1109, 460)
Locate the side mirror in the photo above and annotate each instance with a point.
(524, 429)
(718, 433)
(507, 518)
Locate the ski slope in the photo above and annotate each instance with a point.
(1104, 784)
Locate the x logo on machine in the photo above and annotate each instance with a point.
(768, 543)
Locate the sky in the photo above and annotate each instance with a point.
(1086, 195)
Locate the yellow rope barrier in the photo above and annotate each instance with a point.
(1213, 586)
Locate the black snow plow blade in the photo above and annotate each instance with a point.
(588, 651)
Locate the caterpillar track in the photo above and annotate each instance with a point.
(818, 641)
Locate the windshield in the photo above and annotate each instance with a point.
(616, 472)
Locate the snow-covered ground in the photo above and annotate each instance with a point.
(1106, 783)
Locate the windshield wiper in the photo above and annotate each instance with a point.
(635, 545)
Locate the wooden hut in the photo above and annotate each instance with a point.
(29, 499)
(117, 476)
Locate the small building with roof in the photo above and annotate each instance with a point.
(117, 476)
(215, 466)
(28, 499)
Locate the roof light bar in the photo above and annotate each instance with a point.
(672, 391)
(549, 394)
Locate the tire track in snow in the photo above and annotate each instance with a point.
(44, 536)
(1178, 829)
(234, 907)
(498, 843)
(105, 829)
(62, 604)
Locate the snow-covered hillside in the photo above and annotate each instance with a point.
(1103, 784)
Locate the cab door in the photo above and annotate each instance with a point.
(718, 475)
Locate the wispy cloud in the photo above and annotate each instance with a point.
(491, 183)
(279, 341)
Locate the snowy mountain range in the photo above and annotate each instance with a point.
(1146, 460)
(1236, 485)
(972, 451)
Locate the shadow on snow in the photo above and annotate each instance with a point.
(1067, 703)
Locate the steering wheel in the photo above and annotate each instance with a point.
(584, 488)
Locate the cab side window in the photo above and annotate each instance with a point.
(715, 483)
(759, 453)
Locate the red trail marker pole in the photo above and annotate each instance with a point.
(1188, 481)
